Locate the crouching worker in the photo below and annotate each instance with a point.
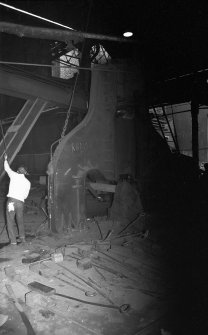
(19, 188)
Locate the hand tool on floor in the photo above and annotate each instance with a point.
(26, 321)
(103, 267)
(126, 306)
(131, 222)
(101, 275)
(100, 231)
(84, 263)
(29, 260)
(88, 283)
(87, 293)
(107, 235)
(94, 282)
(111, 259)
(47, 290)
(56, 257)
(123, 308)
(72, 279)
(102, 238)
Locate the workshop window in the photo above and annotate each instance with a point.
(67, 65)
(99, 55)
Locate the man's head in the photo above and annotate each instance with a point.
(22, 170)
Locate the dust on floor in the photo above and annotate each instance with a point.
(97, 281)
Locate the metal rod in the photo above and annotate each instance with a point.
(103, 267)
(130, 223)
(100, 231)
(56, 34)
(122, 308)
(88, 293)
(88, 283)
(70, 284)
(64, 66)
(2, 132)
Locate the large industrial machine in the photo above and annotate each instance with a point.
(90, 159)
(87, 161)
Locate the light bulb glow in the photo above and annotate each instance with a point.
(127, 34)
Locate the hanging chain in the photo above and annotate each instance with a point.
(69, 110)
(75, 83)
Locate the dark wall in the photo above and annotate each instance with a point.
(26, 50)
(125, 147)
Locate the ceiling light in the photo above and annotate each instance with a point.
(127, 34)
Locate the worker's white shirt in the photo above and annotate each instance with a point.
(19, 186)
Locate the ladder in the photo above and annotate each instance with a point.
(162, 123)
(17, 133)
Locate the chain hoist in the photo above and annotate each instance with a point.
(69, 110)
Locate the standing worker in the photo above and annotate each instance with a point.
(19, 188)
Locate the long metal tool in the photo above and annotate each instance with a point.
(122, 308)
(87, 282)
(101, 234)
(87, 293)
(103, 267)
(2, 133)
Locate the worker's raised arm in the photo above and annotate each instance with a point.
(7, 167)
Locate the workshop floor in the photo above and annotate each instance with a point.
(117, 281)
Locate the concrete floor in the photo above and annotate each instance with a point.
(130, 284)
(132, 269)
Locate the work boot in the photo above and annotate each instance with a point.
(22, 240)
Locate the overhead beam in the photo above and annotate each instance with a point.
(68, 36)
(23, 86)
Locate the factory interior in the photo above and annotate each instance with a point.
(112, 129)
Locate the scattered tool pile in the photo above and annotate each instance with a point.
(63, 282)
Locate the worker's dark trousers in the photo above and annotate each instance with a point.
(14, 209)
